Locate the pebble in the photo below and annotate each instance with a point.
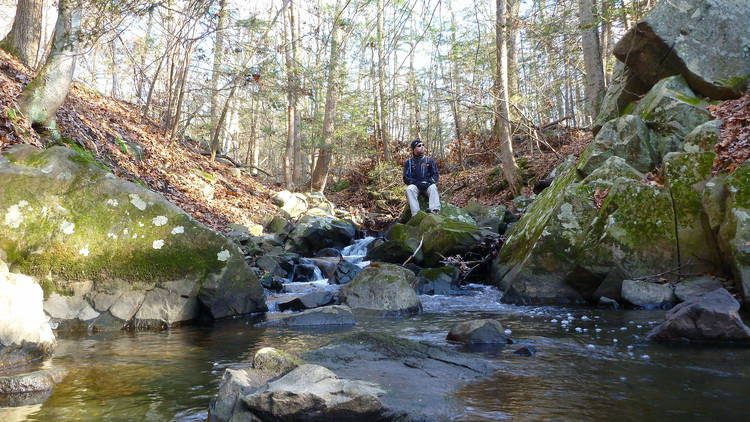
(598, 330)
(623, 328)
(645, 357)
(639, 326)
(578, 329)
(554, 321)
(585, 318)
(508, 331)
(590, 346)
(630, 347)
(614, 340)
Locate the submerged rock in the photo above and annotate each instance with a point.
(383, 287)
(30, 382)
(481, 331)
(437, 281)
(325, 316)
(711, 317)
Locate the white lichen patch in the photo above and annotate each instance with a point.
(223, 255)
(159, 220)
(13, 216)
(135, 235)
(567, 218)
(22, 203)
(140, 224)
(178, 230)
(67, 227)
(112, 202)
(157, 244)
(137, 201)
(124, 231)
(84, 250)
(111, 235)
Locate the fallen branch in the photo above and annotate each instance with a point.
(415, 252)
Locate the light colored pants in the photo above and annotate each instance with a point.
(412, 192)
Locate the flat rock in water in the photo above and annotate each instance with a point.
(328, 315)
(314, 393)
(711, 317)
(419, 378)
(308, 301)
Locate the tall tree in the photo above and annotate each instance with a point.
(502, 112)
(216, 71)
(455, 86)
(383, 112)
(42, 97)
(591, 57)
(290, 56)
(24, 38)
(320, 173)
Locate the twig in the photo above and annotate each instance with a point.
(415, 252)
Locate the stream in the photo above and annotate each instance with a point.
(590, 365)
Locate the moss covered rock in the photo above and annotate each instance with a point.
(65, 220)
(383, 287)
(734, 233)
(686, 176)
(626, 137)
(703, 137)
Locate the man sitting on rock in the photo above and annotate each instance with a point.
(421, 175)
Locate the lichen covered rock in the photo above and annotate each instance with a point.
(66, 220)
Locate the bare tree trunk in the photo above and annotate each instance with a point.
(42, 97)
(24, 38)
(381, 80)
(290, 59)
(113, 68)
(150, 95)
(455, 88)
(605, 12)
(514, 7)
(222, 118)
(502, 113)
(592, 57)
(320, 173)
(218, 58)
(181, 92)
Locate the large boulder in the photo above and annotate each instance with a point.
(293, 204)
(626, 137)
(313, 233)
(67, 221)
(314, 393)
(711, 317)
(25, 333)
(734, 230)
(705, 41)
(383, 287)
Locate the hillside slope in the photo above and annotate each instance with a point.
(137, 149)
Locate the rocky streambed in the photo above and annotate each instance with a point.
(589, 365)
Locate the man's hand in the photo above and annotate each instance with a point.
(423, 185)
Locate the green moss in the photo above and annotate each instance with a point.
(684, 171)
(739, 185)
(341, 185)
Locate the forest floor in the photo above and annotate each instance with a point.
(137, 149)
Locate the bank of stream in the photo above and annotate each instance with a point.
(593, 366)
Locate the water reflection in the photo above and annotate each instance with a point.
(590, 365)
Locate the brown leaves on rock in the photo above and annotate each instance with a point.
(733, 147)
(599, 196)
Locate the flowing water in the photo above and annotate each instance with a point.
(591, 365)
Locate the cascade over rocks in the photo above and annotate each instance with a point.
(111, 254)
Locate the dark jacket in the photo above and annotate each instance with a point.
(420, 171)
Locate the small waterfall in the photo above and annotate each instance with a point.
(355, 252)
